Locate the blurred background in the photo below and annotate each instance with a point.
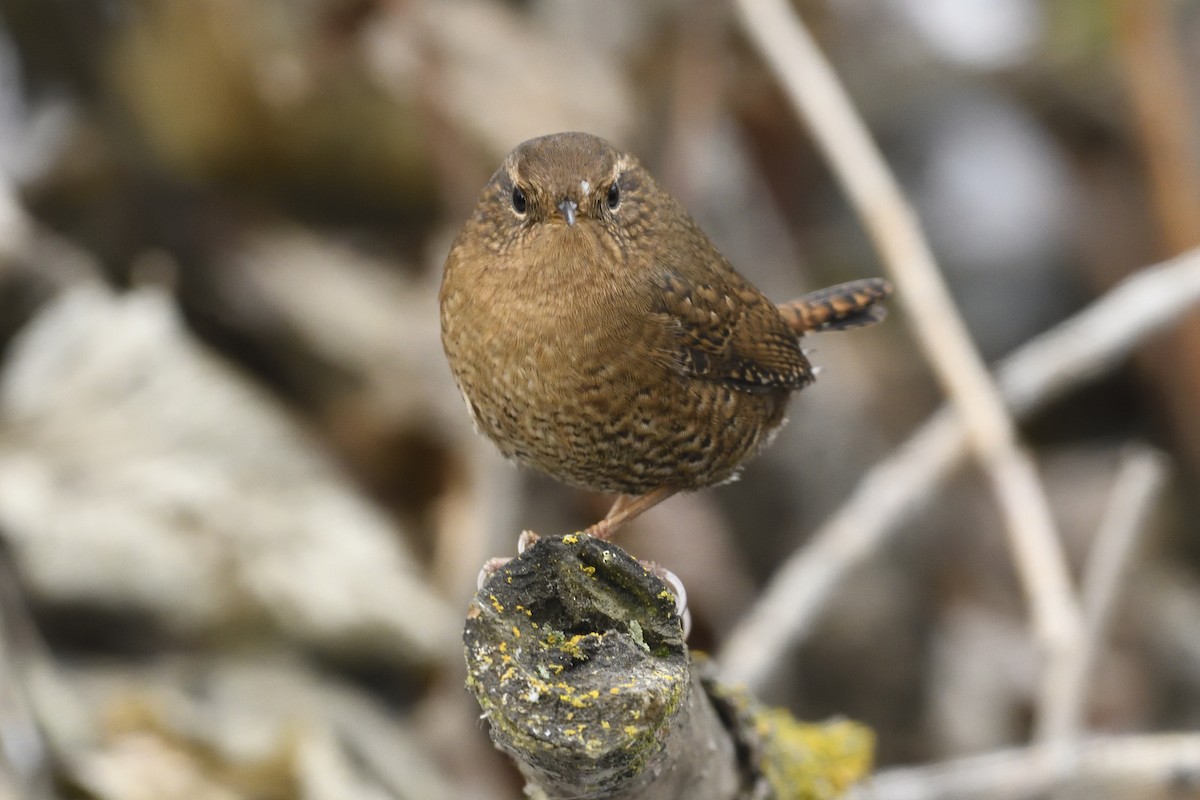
(241, 501)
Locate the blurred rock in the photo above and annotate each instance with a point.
(1166, 606)
(501, 76)
(978, 34)
(271, 96)
(138, 471)
(378, 328)
(393, 413)
(254, 726)
(31, 133)
(981, 673)
(351, 341)
(994, 192)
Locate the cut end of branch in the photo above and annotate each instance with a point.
(577, 658)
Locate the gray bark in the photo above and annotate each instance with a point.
(576, 655)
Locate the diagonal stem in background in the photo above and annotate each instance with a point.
(1140, 478)
(841, 135)
(1141, 766)
(1081, 348)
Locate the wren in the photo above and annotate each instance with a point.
(598, 336)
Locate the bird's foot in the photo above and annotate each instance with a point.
(494, 565)
(602, 530)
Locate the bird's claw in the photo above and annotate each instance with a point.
(526, 540)
(677, 589)
(493, 565)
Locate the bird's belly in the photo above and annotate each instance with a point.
(600, 422)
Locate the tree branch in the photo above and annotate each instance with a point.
(576, 655)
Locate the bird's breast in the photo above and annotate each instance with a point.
(554, 315)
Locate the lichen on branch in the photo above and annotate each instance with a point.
(576, 655)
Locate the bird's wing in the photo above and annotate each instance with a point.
(722, 329)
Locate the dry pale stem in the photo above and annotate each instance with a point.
(1139, 480)
(1110, 767)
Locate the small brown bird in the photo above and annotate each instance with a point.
(598, 336)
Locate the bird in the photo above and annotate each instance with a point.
(598, 336)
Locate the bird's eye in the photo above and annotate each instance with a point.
(518, 200)
(614, 196)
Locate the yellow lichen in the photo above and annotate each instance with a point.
(806, 761)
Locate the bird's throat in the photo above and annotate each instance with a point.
(581, 256)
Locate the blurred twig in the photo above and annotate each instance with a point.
(1139, 480)
(42, 724)
(25, 754)
(1047, 367)
(1117, 763)
(842, 136)
(1160, 93)
(1163, 117)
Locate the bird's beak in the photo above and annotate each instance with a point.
(568, 208)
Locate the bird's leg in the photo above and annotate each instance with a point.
(626, 508)
(619, 505)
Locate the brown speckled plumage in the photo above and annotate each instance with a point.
(619, 350)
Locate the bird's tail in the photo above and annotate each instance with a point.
(836, 308)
